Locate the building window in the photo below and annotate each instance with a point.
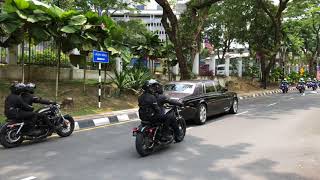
(140, 7)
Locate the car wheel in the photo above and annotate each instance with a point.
(234, 107)
(202, 114)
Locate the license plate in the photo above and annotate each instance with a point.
(134, 134)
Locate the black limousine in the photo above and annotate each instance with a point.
(202, 98)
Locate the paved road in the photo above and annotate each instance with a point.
(275, 137)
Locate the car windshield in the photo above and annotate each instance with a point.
(180, 88)
(220, 68)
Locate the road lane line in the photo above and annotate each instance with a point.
(272, 104)
(29, 178)
(291, 98)
(242, 113)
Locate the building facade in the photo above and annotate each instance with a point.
(150, 14)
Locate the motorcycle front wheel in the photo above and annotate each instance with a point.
(183, 129)
(67, 127)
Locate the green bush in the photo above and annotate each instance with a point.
(46, 57)
(137, 76)
(252, 71)
(276, 74)
(130, 78)
(294, 77)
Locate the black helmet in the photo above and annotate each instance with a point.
(151, 86)
(17, 88)
(30, 87)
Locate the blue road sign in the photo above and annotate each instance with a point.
(100, 56)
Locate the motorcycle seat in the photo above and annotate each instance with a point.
(150, 123)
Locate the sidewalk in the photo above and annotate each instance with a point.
(88, 121)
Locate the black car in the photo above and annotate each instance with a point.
(202, 98)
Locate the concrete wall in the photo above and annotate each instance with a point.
(13, 72)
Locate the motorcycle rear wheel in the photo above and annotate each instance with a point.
(6, 136)
(141, 146)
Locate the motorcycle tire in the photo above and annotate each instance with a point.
(4, 141)
(62, 132)
(300, 90)
(183, 129)
(141, 146)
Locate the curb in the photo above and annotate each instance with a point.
(263, 94)
(107, 120)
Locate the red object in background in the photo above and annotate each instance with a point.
(318, 72)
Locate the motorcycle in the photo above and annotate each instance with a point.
(150, 135)
(13, 133)
(309, 84)
(314, 86)
(284, 88)
(301, 88)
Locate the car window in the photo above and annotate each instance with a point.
(198, 90)
(180, 88)
(219, 87)
(220, 68)
(210, 87)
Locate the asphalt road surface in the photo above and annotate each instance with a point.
(274, 137)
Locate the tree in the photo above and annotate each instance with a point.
(198, 10)
(107, 7)
(268, 55)
(226, 23)
(303, 29)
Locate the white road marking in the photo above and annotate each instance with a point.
(242, 113)
(29, 178)
(272, 104)
(291, 98)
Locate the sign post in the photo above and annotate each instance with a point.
(100, 57)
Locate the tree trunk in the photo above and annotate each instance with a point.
(58, 70)
(22, 60)
(29, 59)
(85, 71)
(185, 74)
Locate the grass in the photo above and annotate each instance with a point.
(84, 103)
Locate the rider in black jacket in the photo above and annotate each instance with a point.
(151, 106)
(15, 107)
(29, 97)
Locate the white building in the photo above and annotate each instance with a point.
(150, 14)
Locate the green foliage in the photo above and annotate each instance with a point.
(130, 78)
(294, 77)
(137, 76)
(252, 72)
(46, 57)
(276, 74)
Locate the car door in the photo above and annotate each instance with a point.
(224, 98)
(212, 98)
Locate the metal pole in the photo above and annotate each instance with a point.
(99, 91)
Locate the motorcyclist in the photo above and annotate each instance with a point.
(284, 82)
(151, 106)
(315, 80)
(17, 109)
(29, 98)
(301, 81)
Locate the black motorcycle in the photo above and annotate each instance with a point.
(13, 133)
(301, 88)
(151, 135)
